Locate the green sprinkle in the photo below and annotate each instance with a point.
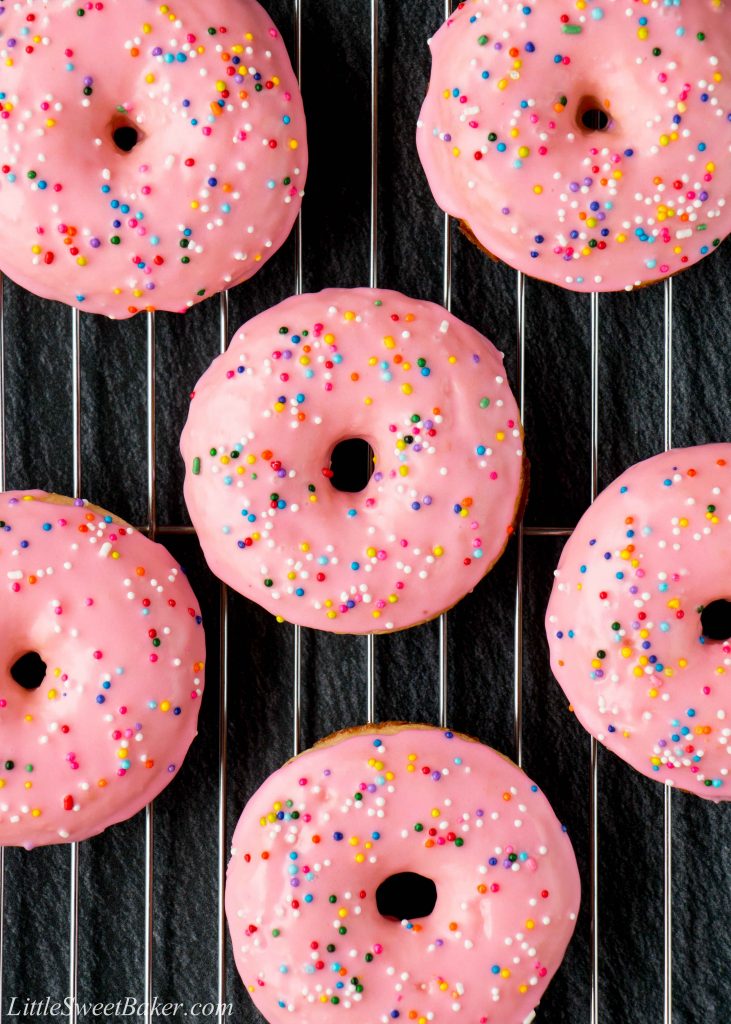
(572, 30)
(484, 403)
(483, 40)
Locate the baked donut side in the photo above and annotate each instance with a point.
(587, 148)
(389, 871)
(423, 392)
(101, 669)
(638, 621)
(150, 154)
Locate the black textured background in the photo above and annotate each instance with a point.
(336, 68)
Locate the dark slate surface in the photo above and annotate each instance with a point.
(481, 629)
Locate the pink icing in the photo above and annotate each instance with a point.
(624, 623)
(317, 840)
(116, 623)
(209, 192)
(505, 149)
(430, 396)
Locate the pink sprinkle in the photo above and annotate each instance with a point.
(302, 782)
(97, 655)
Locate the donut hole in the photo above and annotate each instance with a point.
(406, 896)
(592, 116)
(716, 620)
(351, 465)
(125, 134)
(29, 670)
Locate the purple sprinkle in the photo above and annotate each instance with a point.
(171, 768)
(436, 776)
(88, 80)
(427, 499)
(157, 51)
(479, 813)
(295, 882)
(447, 137)
(94, 243)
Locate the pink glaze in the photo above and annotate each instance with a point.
(209, 192)
(505, 150)
(439, 508)
(624, 623)
(118, 627)
(417, 800)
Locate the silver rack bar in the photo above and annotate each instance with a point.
(668, 793)
(152, 520)
(443, 621)
(74, 847)
(2, 488)
(518, 629)
(2, 456)
(373, 275)
(182, 530)
(594, 746)
(298, 289)
(223, 324)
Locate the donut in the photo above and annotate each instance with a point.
(584, 143)
(638, 621)
(427, 399)
(150, 154)
(102, 655)
(456, 890)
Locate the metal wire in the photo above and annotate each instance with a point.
(594, 746)
(222, 738)
(74, 848)
(152, 523)
(518, 629)
(298, 289)
(373, 276)
(668, 793)
(2, 488)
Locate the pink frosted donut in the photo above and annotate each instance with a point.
(639, 625)
(586, 144)
(430, 397)
(400, 873)
(102, 669)
(150, 154)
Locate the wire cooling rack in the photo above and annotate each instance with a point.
(140, 910)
